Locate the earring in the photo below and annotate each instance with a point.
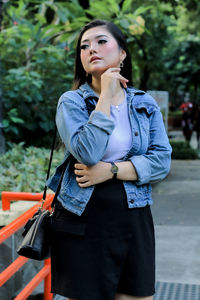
(86, 74)
(121, 64)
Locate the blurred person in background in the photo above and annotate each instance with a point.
(196, 112)
(187, 122)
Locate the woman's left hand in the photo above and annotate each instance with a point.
(91, 175)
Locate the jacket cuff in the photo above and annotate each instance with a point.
(102, 121)
(143, 169)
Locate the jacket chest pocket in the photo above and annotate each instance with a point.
(143, 119)
(140, 129)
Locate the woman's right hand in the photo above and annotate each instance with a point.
(110, 86)
(110, 80)
(91, 175)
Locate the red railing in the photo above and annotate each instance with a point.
(14, 226)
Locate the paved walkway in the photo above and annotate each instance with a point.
(176, 214)
(177, 226)
(177, 135)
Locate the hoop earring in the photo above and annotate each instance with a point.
(121, 64)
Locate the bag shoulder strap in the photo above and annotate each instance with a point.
(50, 162)
(90, 108)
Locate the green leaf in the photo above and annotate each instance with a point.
(126, 5)
(142, 9)
(124, 23)
(6, 123)
(16, 120)
(113, 6)
(14, 130)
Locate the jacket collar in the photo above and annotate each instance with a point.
(137, 102)
(88, 91)
(131, 92)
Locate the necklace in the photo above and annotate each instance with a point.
(118, 107)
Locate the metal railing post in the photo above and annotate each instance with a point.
(9, 231)
(47, 282)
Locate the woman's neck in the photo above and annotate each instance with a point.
(96, 86)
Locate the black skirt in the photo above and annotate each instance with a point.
(109, 249)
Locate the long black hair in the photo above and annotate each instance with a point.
(79, 72)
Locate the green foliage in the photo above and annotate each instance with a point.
(182, 57)
(12, 119)
(176, 113)
(148, 50)
(183, 63)
(38, 58)
(34, 92)
(183, 150)
(36, 68)
(37, 54)
(24, 169)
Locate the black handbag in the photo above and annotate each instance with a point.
(36, 235)
(35, 243)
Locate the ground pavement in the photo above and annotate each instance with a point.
(177, 226)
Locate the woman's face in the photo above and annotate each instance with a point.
(100, 51)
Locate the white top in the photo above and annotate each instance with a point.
(120, 140)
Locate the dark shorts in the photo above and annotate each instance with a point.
(109, 249)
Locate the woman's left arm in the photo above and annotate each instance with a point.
(152, 166)
(91, 175)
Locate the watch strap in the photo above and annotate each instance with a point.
(114, 170)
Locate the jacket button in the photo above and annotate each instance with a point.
(136, 133)
(132, 201)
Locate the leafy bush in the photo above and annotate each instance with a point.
(36, 68)
(183, 150)
(24, 169)
(37, 58)
(176, 113)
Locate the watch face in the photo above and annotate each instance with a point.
(114, 169)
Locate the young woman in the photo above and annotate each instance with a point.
(103, 244)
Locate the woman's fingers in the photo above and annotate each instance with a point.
(118, 76)
(80, 172)
(115, 71)
(79, 166)
(85, 184)
(122, 80)
(81, 179)
(124, 84)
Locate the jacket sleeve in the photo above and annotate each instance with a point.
(85, 137)
(154, 165)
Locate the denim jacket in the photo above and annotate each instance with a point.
(86, 138)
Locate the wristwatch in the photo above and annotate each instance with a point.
(114, 169)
